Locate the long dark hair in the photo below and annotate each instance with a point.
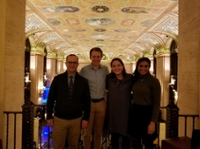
(121, 62)
(136, 73)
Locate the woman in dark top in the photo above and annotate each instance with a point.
(146, 105)
(119, 85)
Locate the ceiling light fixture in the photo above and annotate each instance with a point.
(100, 9)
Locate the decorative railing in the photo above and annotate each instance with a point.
(30, 111)
(186, 117)
(40, 113)
(173, 118)
(8, 114)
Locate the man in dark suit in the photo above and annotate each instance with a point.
(68, 105)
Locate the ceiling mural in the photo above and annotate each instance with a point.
(100, 21)
(53, 21)
(62, 9)
(124, 28)
(134, 10)
(33, 23)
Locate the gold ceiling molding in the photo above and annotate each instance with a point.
(113, 25)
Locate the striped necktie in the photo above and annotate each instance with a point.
(71, 84)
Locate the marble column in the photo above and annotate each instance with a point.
(163, 75)
(36, 76)
(128, 67)
(133, 66)
(152, 65)
(60, 66)
(50, 68)
(188, 61)
(12, 35)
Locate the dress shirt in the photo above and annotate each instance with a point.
(96, 80)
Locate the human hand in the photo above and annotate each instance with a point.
(84, 124)
(105, 133)
(151, 128)
(50, 122)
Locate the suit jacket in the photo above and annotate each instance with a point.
(64, 107)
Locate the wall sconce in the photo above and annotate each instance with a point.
(45, 77)
(172, 80)
(26, 78)
(41, 88)
(173, 88)
(26, 86)
(45, 80)
(175, 96)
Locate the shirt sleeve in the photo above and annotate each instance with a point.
(156, 93)
(51, 99)
(86, 102)
(107, 82)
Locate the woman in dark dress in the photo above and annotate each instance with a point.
(119, 85)
(146, 106)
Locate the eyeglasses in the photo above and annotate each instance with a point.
(74, 63)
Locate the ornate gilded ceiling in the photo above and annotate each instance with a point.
(123, 28)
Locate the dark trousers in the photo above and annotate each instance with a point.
(140, 118)
(138, 143)
(115, 141)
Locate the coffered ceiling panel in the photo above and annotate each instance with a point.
(119, 27)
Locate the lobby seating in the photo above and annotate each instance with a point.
(183, 142)
(177, 143)
(195, 141)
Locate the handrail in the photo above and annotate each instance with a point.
(13, 112)
(37, 105)
(163, 107)
(47, 144)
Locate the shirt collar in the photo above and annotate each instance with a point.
(71, 75)
(92, 67)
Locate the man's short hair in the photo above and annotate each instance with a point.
(96, 49)
(71, 55)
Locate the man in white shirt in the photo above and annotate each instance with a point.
(95, 73)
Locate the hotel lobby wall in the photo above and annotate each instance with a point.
(12, 35)
(188, 60)
(2, 62)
